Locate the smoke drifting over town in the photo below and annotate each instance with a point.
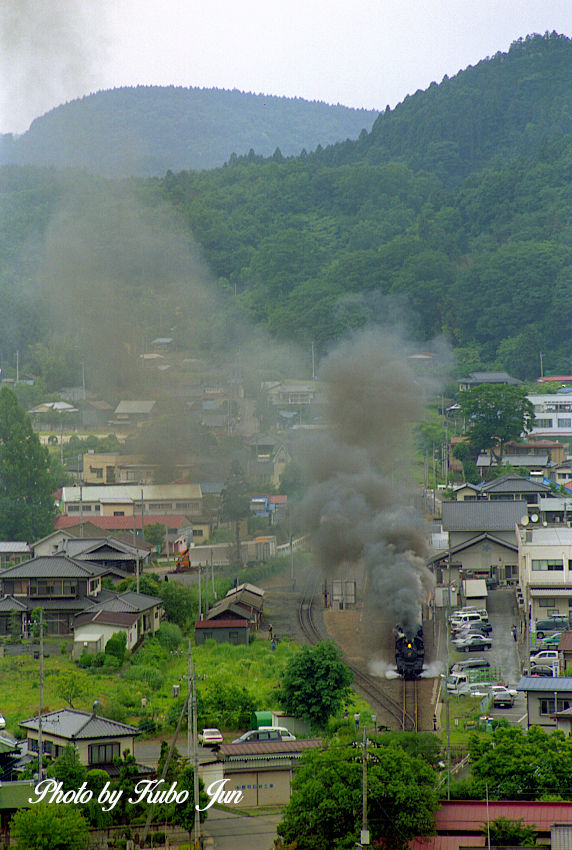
(356, 504)
(50, 48)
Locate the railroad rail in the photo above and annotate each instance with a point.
(410, 702)
(406, 712)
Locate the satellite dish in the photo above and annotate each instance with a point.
(524, 520)
(534, 518)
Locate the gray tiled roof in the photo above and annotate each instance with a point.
(514, 484)
(104, 546)
(9, 603)
(482, 515)
(68, 723)
(52, 566)
(128, 602)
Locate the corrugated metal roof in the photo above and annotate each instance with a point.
(482, 515)
(548, 684)
(16, 546)
(255, 749)
(131, 407)
(68, 723)
(538, 592)
(124, 523)
(221, 624)
(447, 842)
(469, 815)
(151, 492)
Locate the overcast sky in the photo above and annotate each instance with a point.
(362, 53)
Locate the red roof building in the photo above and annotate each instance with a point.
(459, 822)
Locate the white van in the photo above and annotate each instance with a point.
(266, 733)
(466, 618)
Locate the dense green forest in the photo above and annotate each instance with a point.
(145, 130)
(452, 216)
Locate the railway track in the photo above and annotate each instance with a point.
(410, 702)
(405, 713)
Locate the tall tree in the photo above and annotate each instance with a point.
(235, 503)
(325, 809)
(496, 414)
(316, 682)
(26, 483)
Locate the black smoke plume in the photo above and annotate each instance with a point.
(357, 504)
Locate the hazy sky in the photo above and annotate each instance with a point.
(366, 53)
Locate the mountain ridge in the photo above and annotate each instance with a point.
(147, 130)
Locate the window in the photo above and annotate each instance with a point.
(565, 423)
(547, 705)
(550, 565)
(102, 753)
(118, 513)
(547, 603)
(542, 423)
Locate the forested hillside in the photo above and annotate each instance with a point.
(147, 130)
(476, 247)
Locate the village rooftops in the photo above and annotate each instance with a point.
(76, 725)
(482, 515)
(53, 566)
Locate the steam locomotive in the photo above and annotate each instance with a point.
(409, 652)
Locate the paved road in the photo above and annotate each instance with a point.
(237, 832)
(501, 605)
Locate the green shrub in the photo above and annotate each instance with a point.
(116, 646)
(144, 673)
(169, 636)
(85, 660)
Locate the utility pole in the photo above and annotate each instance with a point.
(41, 698)
(196, 761)
(364, 837)
(447, 709)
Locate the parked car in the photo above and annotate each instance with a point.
(210, 737)
(469, 665)
(472, 642)
(502, 697)
(551, 641)
(547, 627)
(466, 618)
(266, 733)
(545, 656)
(474, 689)
(482, 627)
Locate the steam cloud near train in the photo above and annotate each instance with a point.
(356, 504)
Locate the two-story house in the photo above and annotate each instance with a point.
(545, 569)
(60, 585)
(481, 540)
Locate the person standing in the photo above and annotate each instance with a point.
(514, 633)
